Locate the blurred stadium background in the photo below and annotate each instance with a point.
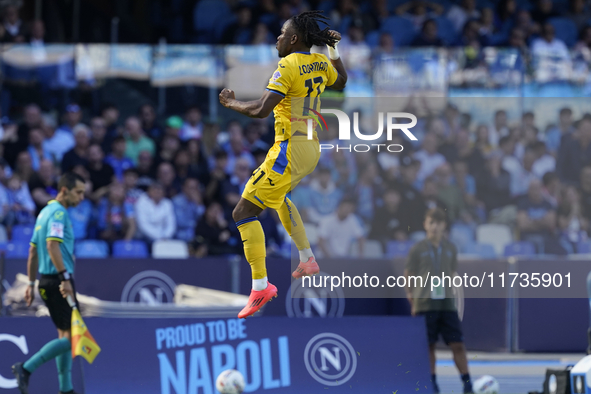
(126, 94)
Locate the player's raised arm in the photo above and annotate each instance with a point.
(260, 108)
(336, 61)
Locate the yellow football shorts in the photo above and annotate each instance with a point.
(286, 164)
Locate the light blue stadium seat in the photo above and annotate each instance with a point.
(521, 248)
(17, 250)
(92, 249)
(485, 251)
(401, 29)
(22, 232)
(565, 29)
(132, 249)
(462, 235)
(398, 248)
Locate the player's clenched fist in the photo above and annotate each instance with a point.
(225, 96)
(335, 34)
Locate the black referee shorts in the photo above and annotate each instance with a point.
(59, 309)
(444, 323)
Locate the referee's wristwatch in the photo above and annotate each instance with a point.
(64, 276)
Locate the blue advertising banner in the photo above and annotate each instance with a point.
(275, 355)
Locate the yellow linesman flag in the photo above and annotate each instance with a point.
(83, 344)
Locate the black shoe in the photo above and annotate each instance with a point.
(22, 377)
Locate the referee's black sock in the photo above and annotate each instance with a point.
(467, 383)
(435, 386)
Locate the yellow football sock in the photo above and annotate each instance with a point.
(292, 221)
(253, 239)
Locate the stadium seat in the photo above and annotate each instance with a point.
(498, 235)
(372, 249)
(462, 236)
(565, 29)
(401, 29)
(91, 249)
(170, 249)
(132, 249)
(398, 248)
(485, 251)
(446, 30)
(22, 232)
(521, 248)
(17, 250)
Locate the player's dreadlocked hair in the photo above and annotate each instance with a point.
(306, 24)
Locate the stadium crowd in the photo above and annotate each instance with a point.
(180, 179)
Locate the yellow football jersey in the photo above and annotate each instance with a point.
(300, 78)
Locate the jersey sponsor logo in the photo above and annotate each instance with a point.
(59, 215)
(57, 230)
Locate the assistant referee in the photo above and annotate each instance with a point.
(52, 254)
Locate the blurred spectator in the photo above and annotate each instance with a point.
(368, 190)
(146, 170)
(147, 115)
(136, 140)
(130, 181)
(449, 192)
(460, 14)
(324, 195)
(57, 142)
(429, 157)
(419, 11)
(236, 147)
(585, 191)
(19, 142)
(526, 175)
(213, 190)
(166, 176)
(232, 188)
(517, 40)
(262, 35)
(239, 32)
(14, 29)
(494, 189)
(543, 11)
(536, 219)
(467, 185)
(116, 217)
(548, 46)
(526, 25)
(429, 36)
(379, 11)
(173, 126)
(168, 149)
(544, 162)
(188, 208)
(579, 13)
(72, 118)
(37, 33)
(575, 154)
(21, 204)
(198, 164)
(43, 184)
(344, 171)
(498, 129)
(466, 152)
(212, 234)
(77, 155)
(430, 194)
(24, 166)
(83, 213)
(110, 113)
(386, 45)
(117, 159)
(573, 227)
(583, 47)
(155, 214)
(338, 230)
(505, 13)
(471, 39)
(271, 224)
(98, 134)
(101, 173)
(182, 166)
(37, 149)
(193, 126)
(389, 220)
(486, 23)
(551, 188)
(482, 142)
(4, 199)
(209, 141)
(558, 135)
